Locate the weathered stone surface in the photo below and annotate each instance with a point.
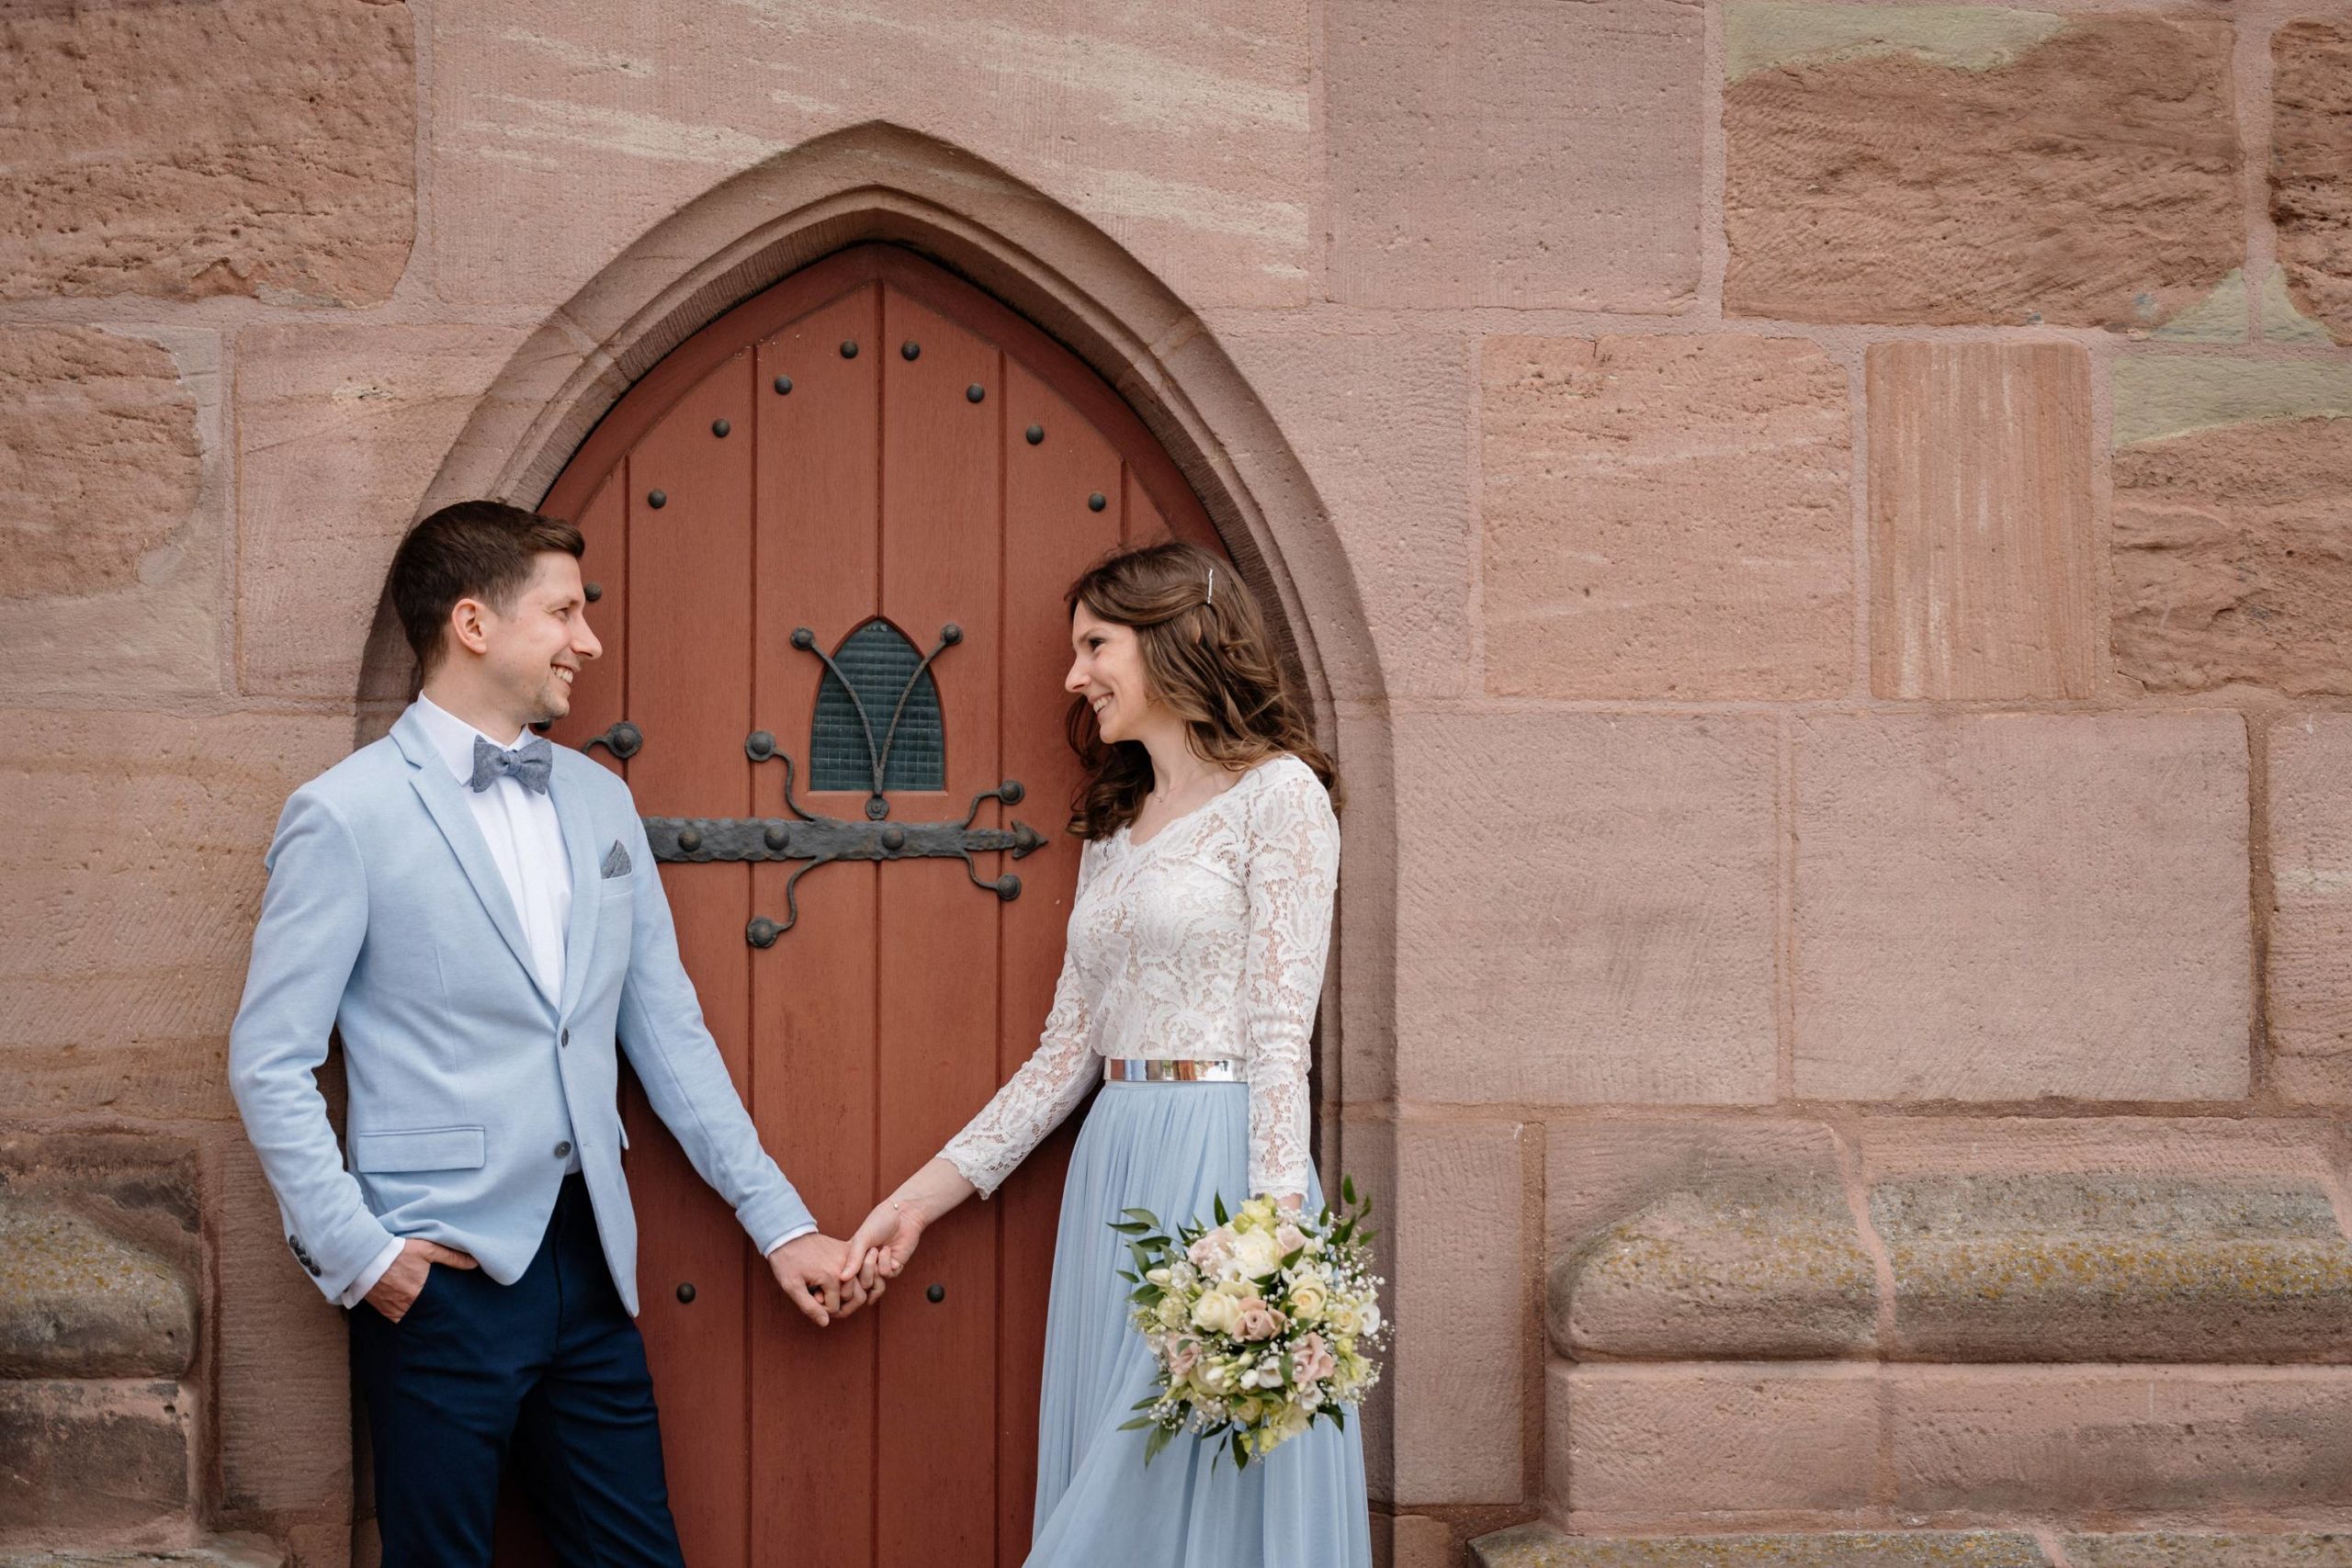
(111, 517)
(2310, 166)
(1585, 908)
(247, 1552)
(2004, 907)
(2123, 1266)
(2186, 1549)
(1666, 517)
(1451, 1253)
(100, 463)
(1558, 1410)
(1982, 550)
(2231, 563)
(100, 1255)
(1416, 1541)
(79, 1456)
(1185, 132)
(233, 148)
(134, 870)
(1691, 1440)
(1381, 424)
(1703, 1240)
(1901, 164)
(282, 1359)
(1520, 154)
(1543, 1546)
(340, 430)
(2075, 1439)
(76, 1301)
(2310, 991)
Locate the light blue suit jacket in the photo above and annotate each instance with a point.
(386, 918)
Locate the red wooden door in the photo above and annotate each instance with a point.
(870, 440)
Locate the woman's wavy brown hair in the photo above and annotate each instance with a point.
(1209, 659)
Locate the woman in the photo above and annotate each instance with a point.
(1196, 956)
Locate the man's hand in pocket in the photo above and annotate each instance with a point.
(405, 1281)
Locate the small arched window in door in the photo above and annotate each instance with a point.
(878, 713)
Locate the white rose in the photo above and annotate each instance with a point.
(1217, 1312)
(1309, 1297)
(1368, 1319)
(1256, 1254)
(1341, 1317)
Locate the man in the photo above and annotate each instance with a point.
(479, 914)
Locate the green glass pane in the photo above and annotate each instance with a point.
(879, 663)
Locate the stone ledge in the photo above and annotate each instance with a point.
(2185, 1549)
(77, 1303)
(2249, 1267)
(238, 1553)
(2094, 1268)
(1694, 1240)
(1541, 1546)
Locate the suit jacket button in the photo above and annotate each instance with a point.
(564, 1151)
(312, 1268)
(567, 1038)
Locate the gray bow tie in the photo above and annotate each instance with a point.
(528, 764)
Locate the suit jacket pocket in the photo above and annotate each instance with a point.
(429, 1148)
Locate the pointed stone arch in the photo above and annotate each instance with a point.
(879, 182)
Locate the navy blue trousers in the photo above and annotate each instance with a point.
(548, 1372)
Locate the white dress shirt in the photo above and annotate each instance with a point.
(526, 841)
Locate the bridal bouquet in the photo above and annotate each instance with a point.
(1261, 1325)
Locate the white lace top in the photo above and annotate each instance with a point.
(1208, 940)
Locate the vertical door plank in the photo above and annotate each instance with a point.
(941, 563)
(813, 993)
(1052, 535)
(690, 633)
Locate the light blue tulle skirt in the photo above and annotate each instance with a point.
(1171, 1148)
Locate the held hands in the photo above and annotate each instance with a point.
(887, 1238)
(405, 1281)
(823, 1278)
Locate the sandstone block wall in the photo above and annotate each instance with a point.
(1828, 523)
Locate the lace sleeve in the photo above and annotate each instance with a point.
(1036, 1099)
(1294, 845)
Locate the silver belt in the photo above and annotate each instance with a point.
(1171, 1070)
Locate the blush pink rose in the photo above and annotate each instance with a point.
(1259, 1321)
(1288, 1238)
(1313, 1360)
(1182, 1359)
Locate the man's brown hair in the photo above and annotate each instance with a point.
(474, 550)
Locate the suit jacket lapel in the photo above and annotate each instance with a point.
(445, 800)
(587, 888)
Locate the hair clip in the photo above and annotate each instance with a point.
(1212, 595)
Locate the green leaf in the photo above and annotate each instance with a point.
(1240, 1453)
(1347, 1188)
(1217, 1203)
(1294, 1254)
(1339, 1414)
(1130, 1227)
(1137, 1425)
(1153, 1444)
(1146, 1215)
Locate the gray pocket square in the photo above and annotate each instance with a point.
(616, 862)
